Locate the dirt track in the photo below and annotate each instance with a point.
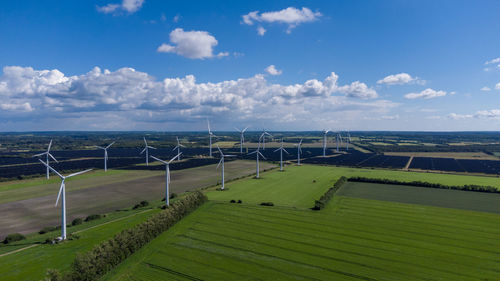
(30, 215)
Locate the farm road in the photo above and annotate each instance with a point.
(30, 215)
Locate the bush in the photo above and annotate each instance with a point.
(141, 204)
(328, 195)
(13, 237)
(232, 201)
(92, 217)
(172, 195)
(267, 204)
(77, 221)
(105, 256)
(239, 201)
(467, 187)
(47, 229)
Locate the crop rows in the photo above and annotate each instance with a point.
(456, 165)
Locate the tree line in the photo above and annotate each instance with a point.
(328, 195)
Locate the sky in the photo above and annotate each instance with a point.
(111, 65)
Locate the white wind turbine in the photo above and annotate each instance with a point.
(62, 195)
(257, 152)
(299, 151)
(281, 149)
(324, 141)
(222, 156)
(47, 154)
(167, 174)
(338, 140)
(210, 135)
(263, 138)
(105, 154)
(242, 137)
(348, 141)
(146, 149)
(178, 147)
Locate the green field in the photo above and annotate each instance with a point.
(352, 239)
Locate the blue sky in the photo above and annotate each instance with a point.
(158, 65)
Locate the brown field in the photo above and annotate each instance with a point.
(100, 196)
(456, 155)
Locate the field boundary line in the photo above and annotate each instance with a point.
(79, 231)
(408, 164)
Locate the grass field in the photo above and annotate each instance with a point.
(352, 239)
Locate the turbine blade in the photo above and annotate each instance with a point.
(52, 169)
(261, 155)
(96, 146)
(50, 145)
(208, 125)
(175, 147)
(40, 154)
(110, 145)
(222, 158)
(245, 129)
(59, 194)
(53, 158)
(176, 156)
(143, 150)
(157, 159)
(252, 152)
(144, 138)
(285, 151)
(151, 147)
(277, 149)
(220, 150)
(237, 129)
(78, 173)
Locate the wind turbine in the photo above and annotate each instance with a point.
(242, 137)
(257, 152)
(348, 141)
(105, 154)
(299, 151)
(338, 140)
(324, 141)
(62, 195)
(210, 134)
(263, 138)
(146, 148)
(281, 149)
(178, 147)
(47, 154)
(222, 156)
(167, 174)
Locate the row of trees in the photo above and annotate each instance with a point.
(328, 195)
(105, 256)
(467, 187)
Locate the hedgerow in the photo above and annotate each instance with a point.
(467, 187)
(328, 195)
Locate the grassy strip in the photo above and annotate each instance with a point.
(328, 195)
(466, 187)
(103, 257)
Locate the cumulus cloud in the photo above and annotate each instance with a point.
(481, 114)
(497, 86)
(261, 31)
(486, 89)
(426, 94)
(290, 16)
(492, 63)
(134, 96)
(130, 6)
(272, 70)
(400, 79)
(191, 44)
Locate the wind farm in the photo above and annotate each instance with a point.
(249, 140)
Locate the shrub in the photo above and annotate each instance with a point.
(328, 195)
(232, 201)
(105, 256)
(141, 204)
(13, 237)
(267, 204)
(239, 201)
(172, 195)
(92, 217)
(47, 229)
(77, 221)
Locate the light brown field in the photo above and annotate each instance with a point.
(456, 155)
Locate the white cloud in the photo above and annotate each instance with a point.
(486, 89)
(492, 62)
(400, 79)
(426, 94)
(272, 70)
(290, 16)
(497, 86)
(130, 6)
(130, 96)
(481, 114)
(261, 31)
(191, 44)
(390, 117)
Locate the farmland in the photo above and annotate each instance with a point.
(352, 239)
(89, 195)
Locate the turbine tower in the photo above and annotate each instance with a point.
(242, 138)
(47, 155)
(324, 141)
(146, 149)
(62, 195)
(348, 140)
(167, 175)
(338, 140)
(257, 152)
(178, 147)
(210, 135)
(281, 149)
(263, 138)
(222, 156)
(299, 151)
(105, 154)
